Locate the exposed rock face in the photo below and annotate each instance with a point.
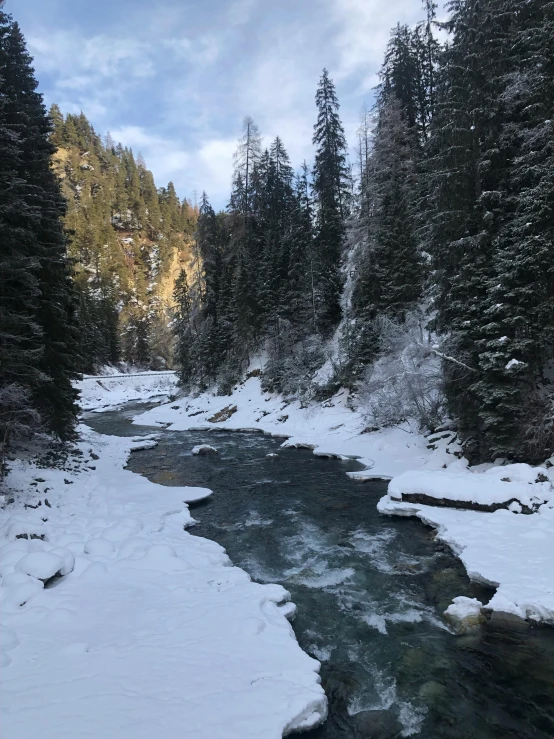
(464, 505)
(223, 415)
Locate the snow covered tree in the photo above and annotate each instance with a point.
(517, 335)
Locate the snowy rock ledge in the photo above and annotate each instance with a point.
(147, 630)
(497, 487)
(506, 549)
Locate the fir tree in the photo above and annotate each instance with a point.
(331, 191)
(182, 327)
(54, 309)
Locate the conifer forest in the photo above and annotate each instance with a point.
(276, 372)
(441, 226)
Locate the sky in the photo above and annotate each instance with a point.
(174, 79)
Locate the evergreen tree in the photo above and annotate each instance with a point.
(299, 286)
(331, 191)
(390, 279)
(467, 183)
(53, 310)
(244, 245)
(517, 335)
(183, 351)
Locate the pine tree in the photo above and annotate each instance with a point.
(467, 181)
(517, 339)
(54, 310)
(182, 328)
(332, 192)
(299, 287)
(19, 333)
(391, 274)
(244, 246)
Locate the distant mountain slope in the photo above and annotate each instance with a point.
(129, 240)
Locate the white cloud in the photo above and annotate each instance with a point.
(240, 12)
(176, 83)
(100, 56)
(200, 51)
(363, 30)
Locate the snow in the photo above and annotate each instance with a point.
(110, 391)
(151, 630)
(513, 363)
(512, 552)
(509, 549)
(462, 608)
(203, 449)
(331, 428)
(41, 565)
(494, 486)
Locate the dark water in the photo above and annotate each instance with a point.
(370, 592)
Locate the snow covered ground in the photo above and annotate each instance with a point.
(111, 389)
(510, 548)
(331, 428)
(117, 623)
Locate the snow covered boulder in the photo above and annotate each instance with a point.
(464, 614)
(203, 450)
(99, 547)
(41, 565)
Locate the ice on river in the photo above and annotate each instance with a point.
(147, 630)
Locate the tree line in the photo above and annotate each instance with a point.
(447, 214)
(443, 224)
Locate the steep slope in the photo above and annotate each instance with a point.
(129, 241)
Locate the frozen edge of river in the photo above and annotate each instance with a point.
(150, 630)
(505, 549)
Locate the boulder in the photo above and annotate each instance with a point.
(464, 614)
(203, 450)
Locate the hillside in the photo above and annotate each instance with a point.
(129, 242)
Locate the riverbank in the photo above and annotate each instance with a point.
(117, 622)
(511, 549)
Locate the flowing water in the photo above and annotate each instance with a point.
(370, 591)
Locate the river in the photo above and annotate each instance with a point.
(370, 591)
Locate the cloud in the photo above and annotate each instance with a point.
(177, 82)
(189, 169)
(363, 30)
(202, 51)
(101, 56)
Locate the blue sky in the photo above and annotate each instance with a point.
(175, 78)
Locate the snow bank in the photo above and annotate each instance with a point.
(150, 630)
(110, 392)
(331, 428)
(510, 551)
(528, 485)
(507, 549)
